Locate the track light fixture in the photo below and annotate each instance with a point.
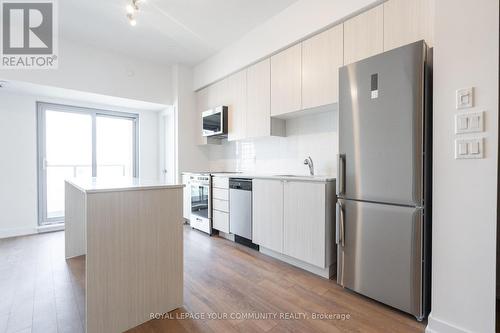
(132, 10)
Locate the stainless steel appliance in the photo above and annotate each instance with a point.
(384, 178)
(215, 122)
(240, 208)
(201, 204)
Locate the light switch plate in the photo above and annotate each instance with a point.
(465, 98)
(472, 148)
(471, 122)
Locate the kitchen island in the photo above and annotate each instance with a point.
(131, 233)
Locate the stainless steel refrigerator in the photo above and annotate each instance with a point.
(384, 178)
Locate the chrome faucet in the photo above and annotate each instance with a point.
(309, 162)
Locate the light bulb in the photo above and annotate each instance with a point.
(130, 9)
(133, 22)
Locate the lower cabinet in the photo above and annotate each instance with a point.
(267, 214)
(295, 218)
(304, 228)
(220, 203)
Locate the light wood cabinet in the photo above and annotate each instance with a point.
(295, 219)
(220, 203)
(364, 35)
(286, 81)
(407, 21)
(304, 231)
(267, 214)
(202, 104)
(186, 197)
(259, 122)
(236, 86)
(322, 56)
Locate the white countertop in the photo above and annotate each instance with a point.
(94, 185)
(318, 178)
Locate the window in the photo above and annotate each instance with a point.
(80, 142)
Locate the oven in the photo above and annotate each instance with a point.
(215, 122)
(201, 202)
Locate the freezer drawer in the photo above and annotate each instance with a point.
(382, 253)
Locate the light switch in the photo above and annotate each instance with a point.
(469, 148)
(465, 98)
(462, 148)
(476, 122)
(469, 122)
(474, 148)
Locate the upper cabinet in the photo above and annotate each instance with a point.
(236, 100)
(305, 76)
(364, 35)
(407, 21)
(202, 104)
(259, 122)
(322, 55)
(286, 81)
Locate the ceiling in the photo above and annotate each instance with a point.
(167, 31)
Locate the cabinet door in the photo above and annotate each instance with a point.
(286, 81)
(408, 21)
(259, 99)
(237, 102)
(267, 212)
(304, 236)
(186, 206)
(202, 104)
(364, 35)
(322, 55)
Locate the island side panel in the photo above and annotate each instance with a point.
(134, 257)
(74, 221)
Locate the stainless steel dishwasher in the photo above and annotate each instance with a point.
(240, 210)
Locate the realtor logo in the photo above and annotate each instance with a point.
(29, 34)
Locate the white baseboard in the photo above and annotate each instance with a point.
(51, 227)
(435, 325)
(327, 273)
(16, 232)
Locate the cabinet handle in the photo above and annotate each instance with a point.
(341, 174)
(341, 225)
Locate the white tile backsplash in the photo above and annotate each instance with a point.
(313, 135)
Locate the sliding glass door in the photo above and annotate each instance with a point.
(80, 142)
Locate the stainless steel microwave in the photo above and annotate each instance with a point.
(215, 122)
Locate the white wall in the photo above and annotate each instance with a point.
(18, 151)
(190, 156)
(89, 69)
(314, 135)
(465, 191)
(301, 19)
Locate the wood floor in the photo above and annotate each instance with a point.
(41, 292)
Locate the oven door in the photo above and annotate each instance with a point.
(213, 123)
(200, 200)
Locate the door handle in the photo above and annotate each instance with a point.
(341, 231)
(341, 174)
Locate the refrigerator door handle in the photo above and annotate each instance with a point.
(341, 226)
(341, 174)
